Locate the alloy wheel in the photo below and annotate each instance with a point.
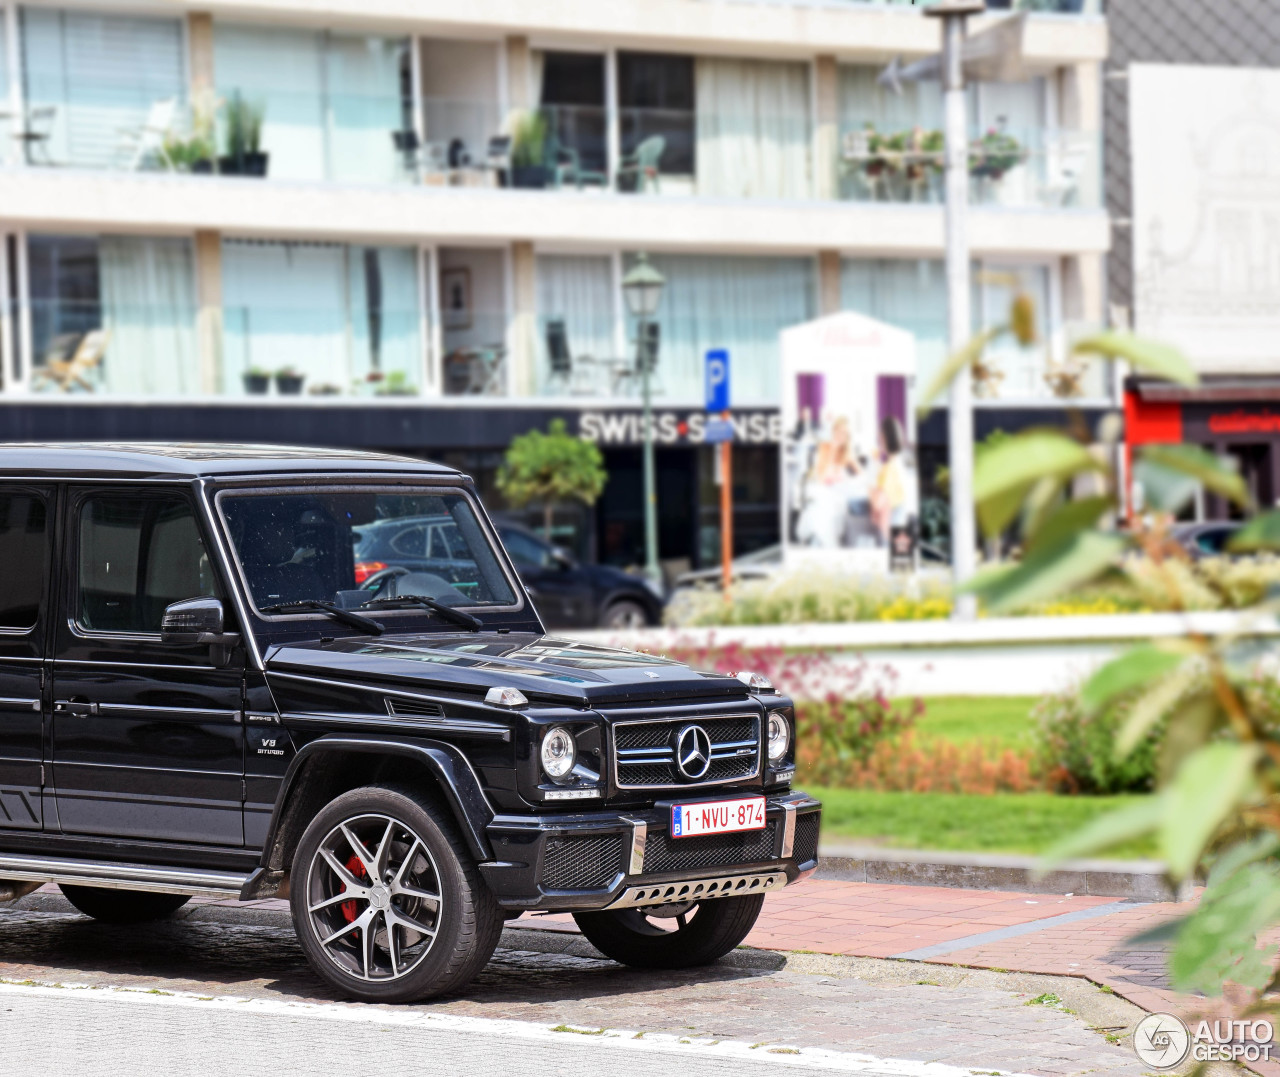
(374, 897)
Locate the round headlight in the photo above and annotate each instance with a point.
(559, 753)
(779, 736)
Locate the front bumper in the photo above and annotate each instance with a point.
(597, 860)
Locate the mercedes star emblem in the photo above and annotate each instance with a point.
(693, 752)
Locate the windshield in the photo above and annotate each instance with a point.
(351, 547)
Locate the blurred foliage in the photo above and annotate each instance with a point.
(1136, 583)
(1075, 746)
(1217, 811)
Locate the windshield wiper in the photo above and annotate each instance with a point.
(354, 620)
(449, 613)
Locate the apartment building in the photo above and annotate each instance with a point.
(1192, 107)
(404, 224)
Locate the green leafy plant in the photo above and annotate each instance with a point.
(549, 468)
(1217, 809)
(243, 127)
(1075, 746)
(995, 153)
(913, 154)
(529, 140)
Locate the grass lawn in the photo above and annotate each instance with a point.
(961, 718)
(1005, 823)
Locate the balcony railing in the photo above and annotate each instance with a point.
(1041, 168)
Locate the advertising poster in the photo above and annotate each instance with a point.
(850, 487)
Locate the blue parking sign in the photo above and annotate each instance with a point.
(717, 379)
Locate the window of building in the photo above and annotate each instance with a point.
(113, 314)
(577, 318)
(24, 553)
(656, 100)
(727, 302)
(572, 99)
(136, 556)
(341, 318)
(331, 103)
(95, 84)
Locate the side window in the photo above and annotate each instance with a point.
(136, 555)
(24, 558)
(410, 542)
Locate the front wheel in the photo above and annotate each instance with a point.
(386, 900)
(676, 936)
(122, 906)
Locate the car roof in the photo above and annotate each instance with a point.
(196, 460)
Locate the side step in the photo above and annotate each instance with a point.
(51, 869)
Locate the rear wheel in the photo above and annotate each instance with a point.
(675, 936)
(624, 613)
(122, 906)
(386, 900)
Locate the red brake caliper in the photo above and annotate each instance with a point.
(349, 908)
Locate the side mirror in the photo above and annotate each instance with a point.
(193, 620)
(561, 558)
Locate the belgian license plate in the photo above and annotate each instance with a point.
(717, 817)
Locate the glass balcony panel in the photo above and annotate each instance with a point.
(111, 348)
(1037, 168)
(465, 145)
(476, 351)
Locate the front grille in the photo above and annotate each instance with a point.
(804, 845)
(645, 752)
(582, 863)
(665, 853)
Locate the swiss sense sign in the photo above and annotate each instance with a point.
(1240, 421)
(677, 427)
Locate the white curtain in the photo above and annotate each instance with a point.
(285, 305)
(105, 76)
(384, 295)
(863, 101)
(365, 106)
(723, 302)
(753, 129)
(906, 292)
(578, 290)
(331, 102)
(149, 313)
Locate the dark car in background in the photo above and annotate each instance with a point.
(568, 593)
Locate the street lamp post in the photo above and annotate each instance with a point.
(642, 287)
(953, 14)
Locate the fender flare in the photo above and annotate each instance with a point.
(457, 779)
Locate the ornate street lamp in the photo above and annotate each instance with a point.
(642, 287)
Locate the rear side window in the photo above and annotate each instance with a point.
(24, 558)
(137, 555)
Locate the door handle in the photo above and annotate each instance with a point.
(68, 706)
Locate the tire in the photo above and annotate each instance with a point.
(624, 613)
(386, 943)
(672, 936)
(122, 906)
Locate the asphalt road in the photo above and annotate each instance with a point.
(225, 991)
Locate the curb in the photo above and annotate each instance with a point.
(1141, 880)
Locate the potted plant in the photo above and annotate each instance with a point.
(244, 156)
(397, 384)
(193, 154)
(529, 151)
(289, 381)
(257, 381)
(994, 154)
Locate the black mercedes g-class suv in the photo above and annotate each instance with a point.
(198, 697)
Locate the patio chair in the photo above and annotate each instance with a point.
(139, 144)
(646, 362)
(566, 371)
(66, 374)
(36, 132)
(567, 168)
(637, 169)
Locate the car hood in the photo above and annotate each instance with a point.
(545, 668)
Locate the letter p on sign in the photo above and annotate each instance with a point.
(717, 379)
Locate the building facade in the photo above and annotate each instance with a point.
(404, 226)
(1193, 182)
